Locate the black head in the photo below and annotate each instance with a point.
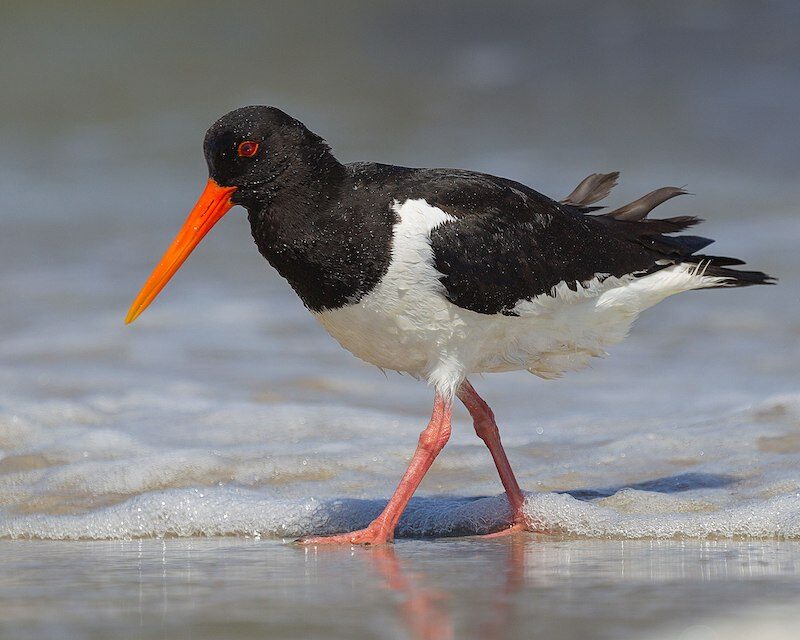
(260, 150)
(257, 157)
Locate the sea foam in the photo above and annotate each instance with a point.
(97, 469)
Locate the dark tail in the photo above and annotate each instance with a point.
(631, 221)
(717, 266)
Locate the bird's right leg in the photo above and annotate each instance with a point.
(431, 442)
(486, 428)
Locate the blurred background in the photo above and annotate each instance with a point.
(227, 410)
(104, 107)
(103, 111)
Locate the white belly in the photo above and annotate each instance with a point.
(407, 324)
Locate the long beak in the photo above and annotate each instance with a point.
(214, 203)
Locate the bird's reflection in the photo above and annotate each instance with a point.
(426, 611)
(500, 605)
(438, 590)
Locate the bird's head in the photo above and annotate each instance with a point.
(253, 154)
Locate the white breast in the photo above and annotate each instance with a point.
(407, 324)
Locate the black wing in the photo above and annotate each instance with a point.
(511, 243)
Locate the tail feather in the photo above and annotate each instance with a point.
(591, 189)
(717, 267)
(631, 222)
(671, 225)
(650, 226)
(638, 209)
(683, 246)
(719, 261)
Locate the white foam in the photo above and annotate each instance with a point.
(243, 512)
(179, 464)
(777, 517)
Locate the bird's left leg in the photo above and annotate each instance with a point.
(486, 428)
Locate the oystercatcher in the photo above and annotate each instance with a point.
(443, 273)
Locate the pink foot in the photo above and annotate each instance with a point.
(370, 536)
(514, 529)
(519, 525)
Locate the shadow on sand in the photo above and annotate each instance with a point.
(669, 484)
(448, 516)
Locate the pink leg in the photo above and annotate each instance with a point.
(486, 428)
(431, 442)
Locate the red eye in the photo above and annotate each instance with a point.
(247, 149)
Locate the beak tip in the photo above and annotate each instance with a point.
(214, 202)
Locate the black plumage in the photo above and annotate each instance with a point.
(327, 227)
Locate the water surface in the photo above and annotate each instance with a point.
(550, 588)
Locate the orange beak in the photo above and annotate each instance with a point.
(214, 203)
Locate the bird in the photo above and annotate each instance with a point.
(443, 274)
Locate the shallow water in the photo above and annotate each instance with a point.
(417, 589)
(226, 410)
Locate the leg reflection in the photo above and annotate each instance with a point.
(425, 611)
(499, 620)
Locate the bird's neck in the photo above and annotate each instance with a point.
(330, 248)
